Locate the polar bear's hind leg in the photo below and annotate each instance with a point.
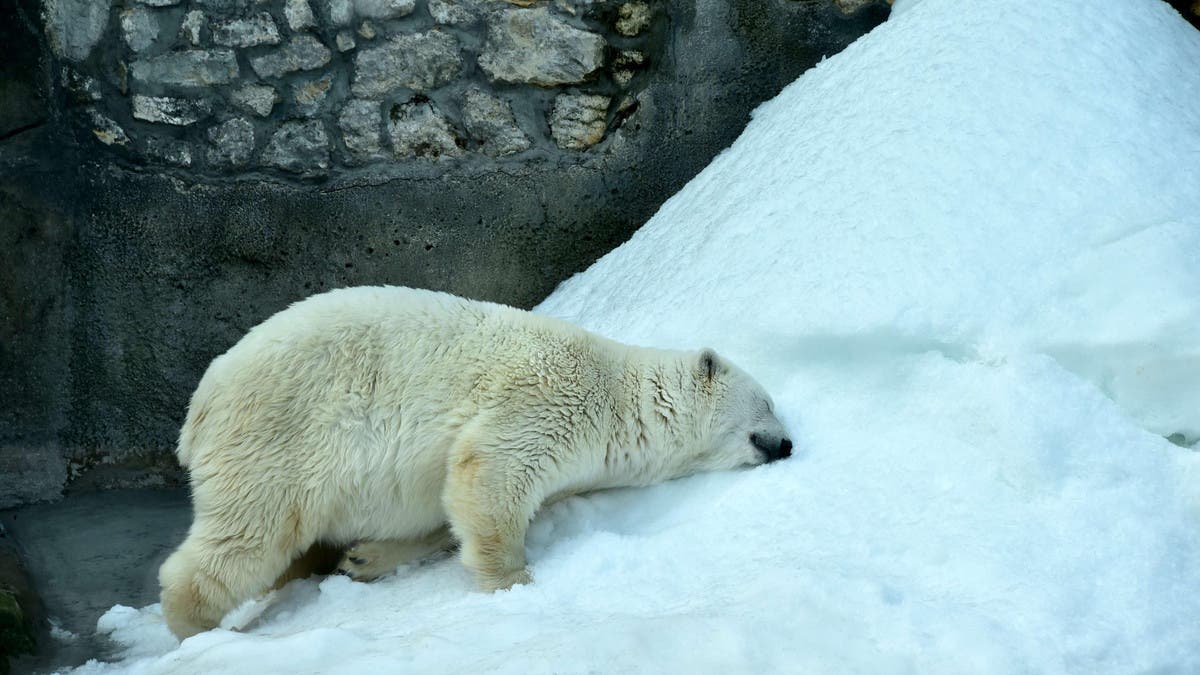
(225, 561)
(371, 559)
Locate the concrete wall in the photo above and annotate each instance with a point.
(125, 269)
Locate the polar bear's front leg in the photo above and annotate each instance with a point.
(490, 498)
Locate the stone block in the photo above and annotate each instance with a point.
(299, 147)
(310, 95)
(168, 151)
(303, 52)
(299, 15)
(191, 68)
(248, 32)
(256, 98)
(170, 110)
(192, 27)
(633, 18)
(577, 121)
(419, 62)
(452, 12)
(384, 9)
(418, 129)
(231, 142)
(532, 46)
(489, 120)
(140, 26)
(75, 26)
(106, 130)
(359, 122)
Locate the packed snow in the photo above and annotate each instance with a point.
(964, 255)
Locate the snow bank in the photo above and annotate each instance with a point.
(971, 176)
(965, 255)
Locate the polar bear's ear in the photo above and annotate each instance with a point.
(710, 365)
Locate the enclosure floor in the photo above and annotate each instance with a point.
(89, 552)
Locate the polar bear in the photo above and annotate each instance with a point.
(398, 421)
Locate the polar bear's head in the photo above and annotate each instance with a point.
(736, 425)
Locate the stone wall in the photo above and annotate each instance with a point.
(304, 89)
(174, 171)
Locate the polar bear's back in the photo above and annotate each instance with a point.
(319, 366)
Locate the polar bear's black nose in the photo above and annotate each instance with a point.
(771, 448)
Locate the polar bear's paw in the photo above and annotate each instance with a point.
(369, 560)
(373, 558)
(506, 581)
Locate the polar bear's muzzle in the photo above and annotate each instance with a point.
(772, 448)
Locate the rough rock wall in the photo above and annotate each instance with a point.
(225, 86)
(174, 171)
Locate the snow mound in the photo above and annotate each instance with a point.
(964, 255)
(972, 177)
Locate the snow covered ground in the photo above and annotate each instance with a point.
(964, 254)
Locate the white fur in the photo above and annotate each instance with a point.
(383, 413)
